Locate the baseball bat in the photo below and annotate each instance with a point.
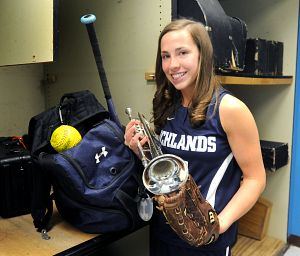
(88, 20)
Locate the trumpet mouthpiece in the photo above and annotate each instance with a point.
(128, 111)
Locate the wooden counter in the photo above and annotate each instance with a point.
(19, 237)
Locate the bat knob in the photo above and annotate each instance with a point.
(88, 19)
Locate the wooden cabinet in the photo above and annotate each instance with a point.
(26, 31)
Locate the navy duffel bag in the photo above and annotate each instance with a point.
(97, 184)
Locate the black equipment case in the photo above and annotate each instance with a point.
(16, 181)
(263, 57)
(275, 154)
(228, 34)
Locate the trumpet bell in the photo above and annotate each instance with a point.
(165, 174)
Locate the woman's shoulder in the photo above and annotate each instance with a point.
(231, 103)
(233, 111)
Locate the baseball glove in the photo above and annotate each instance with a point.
(190, 215)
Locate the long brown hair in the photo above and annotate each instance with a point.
(166, 97)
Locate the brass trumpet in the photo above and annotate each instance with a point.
(163, 173)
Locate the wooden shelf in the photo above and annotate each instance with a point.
(243, 80)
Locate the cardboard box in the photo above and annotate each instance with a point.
(254, 224)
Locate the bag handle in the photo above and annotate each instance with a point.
(74, 95)
(66, 96)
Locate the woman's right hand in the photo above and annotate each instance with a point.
(132, 138)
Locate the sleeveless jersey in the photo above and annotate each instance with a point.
(210, 162)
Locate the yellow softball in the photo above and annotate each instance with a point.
(64, 137)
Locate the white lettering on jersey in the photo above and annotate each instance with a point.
(188, 142)
(211, 143)
(191, 143)
(202, 144)
(182, 142)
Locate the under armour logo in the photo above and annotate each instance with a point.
(102, 153)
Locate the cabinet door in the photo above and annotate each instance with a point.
(26, 31)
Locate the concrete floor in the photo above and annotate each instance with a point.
(292, 251)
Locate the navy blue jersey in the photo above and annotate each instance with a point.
(211, 164)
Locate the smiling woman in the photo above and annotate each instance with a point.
(196, 119)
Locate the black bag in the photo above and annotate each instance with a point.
(79, 109)
(228, 34)
(16, 171)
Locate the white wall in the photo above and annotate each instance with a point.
(21, 97)
(272, 106)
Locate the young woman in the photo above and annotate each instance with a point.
(210, 129)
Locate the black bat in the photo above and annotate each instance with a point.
(88, 20)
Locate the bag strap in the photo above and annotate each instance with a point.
(78, 168)
(42, 223)
(42, 203)
(127, 200)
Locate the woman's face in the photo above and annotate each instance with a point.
(180, 60)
